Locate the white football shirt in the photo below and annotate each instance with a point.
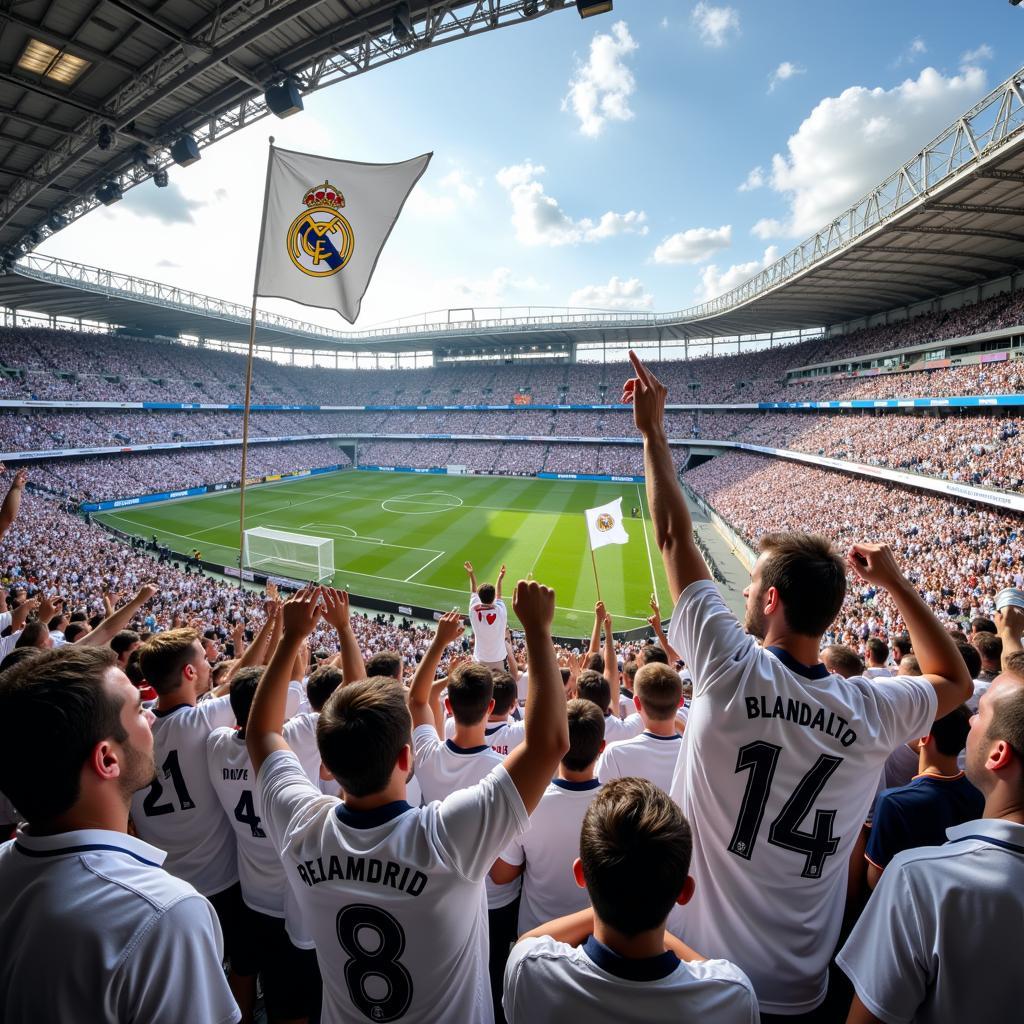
(89, 921)
(505, 737)
(180, 812)
(548, 848)
(777, 771)
(616, 729)
(549, 982)
(488, 622)
(646, 756)
(907, 957)
(393, 896)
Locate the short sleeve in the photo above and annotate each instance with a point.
(474, 600)
(514, 966)
(889, 831)
(885, 956)
(904, 708)
(300, 735)
(425, 743)
(289, 799)
(607, 769)
(217, 712)
(514, 853)
(186, 943)
(475, 824)
(707, 635)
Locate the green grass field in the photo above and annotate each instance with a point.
(404, 537)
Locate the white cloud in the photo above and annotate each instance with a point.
(616, 294)
(755, 179)
(456, 181)
(716, 24)
(714, 282)
(693, 245)
(915, 49)
(850, 142)
(539, 220)
(979, 53)
(453, 193)
(599, 90)
(492, 290)
(785, 71)
(664, 22)
(768, 227)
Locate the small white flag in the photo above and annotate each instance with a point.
(605, 525)
(324, 225)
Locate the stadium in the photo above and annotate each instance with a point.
(189, 472)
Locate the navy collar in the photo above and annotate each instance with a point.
(456, 749)
(371, 819)
(652, 968)
(655, 736)
(170, 711)
(807, 671)
(576, 787)
(491, 729)
(87, 840)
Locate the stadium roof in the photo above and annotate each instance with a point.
(949, 218)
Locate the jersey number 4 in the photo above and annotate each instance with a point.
(245, 814)
(171, 770)
(761, 759)
(378, 984)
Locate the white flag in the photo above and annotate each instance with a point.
(605, 525)
(324, 225)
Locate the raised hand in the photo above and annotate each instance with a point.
(146, 592)
(534, 605)
(468, 566)
(647, 395)
(336, 608)
(450, 627)
(600, 612)
(874, 563)
(501, 573)
(20, 479)
(49, 607)
(301, 613)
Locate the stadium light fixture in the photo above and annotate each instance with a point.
(529, 8)
(105, 137)
(160, 178)
(284, 99)
(401, 22)
(185, 150)
(109, 193)
(144, 159)
(56, 221)
(588, 8)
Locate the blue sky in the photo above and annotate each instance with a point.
(593, 163)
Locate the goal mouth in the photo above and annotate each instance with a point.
(282, 552)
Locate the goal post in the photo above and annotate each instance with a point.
(288, 554)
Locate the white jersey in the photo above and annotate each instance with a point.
(394, 893)
(617, 729)
(259, 867)
(488, 622)
(877, 672)
(548, 850)
(549, 982)
(179, 812)
(443, 768)
(777, 770)
(503, 737)
(89, 920)
(646, 756)
(906, 956)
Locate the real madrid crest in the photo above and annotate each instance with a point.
(320, 239)
(605, 522)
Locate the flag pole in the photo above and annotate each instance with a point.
(248, 368)
(593, 562)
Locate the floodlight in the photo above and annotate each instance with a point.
(401, 22)
(185, 150)
(56, 221)
(160, 178)
(284, 99)
(109, 193)
(588, 8)
(105, 136)
(144, 159)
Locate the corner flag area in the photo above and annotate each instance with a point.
(404, 537)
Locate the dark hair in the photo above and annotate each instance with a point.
(958, 635)
(164, 656)
(990, 647)
(133, 670)
(634, 841)
(122, 641)
(659, 690)
(54, 709)
(586, 734)
(321, 684)
(652, 654)
(1007, 721)
(979, 624)
(470, 689)
(809, 576)
(242, 690)
(594, 687)
(878, 650)
(361, 731)
(34, 634)
(843, 660)
(903, 645)
(506, 693)
(565, 674)
(971, 658)
(486, 593)
(594, 661)
(950, 731)
(385, 663)
(18, 655)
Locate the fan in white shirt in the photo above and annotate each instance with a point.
(781, 759)
(877, 654)
(501, 731)
(91, 926)
(544, 855)
(488, 618)
(653, 753)
(617, 962)
(593, 686)
(412, 876)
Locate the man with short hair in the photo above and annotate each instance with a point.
(980, 625)
(385, 663)
(544, 854)
(909, 956)
(91, 927)
(901, 647)
(782, 758)
(990, 649)
(594, 687)
(488, 618)
(877, 651)
(617, 962)
(842, 660)
(123, 644)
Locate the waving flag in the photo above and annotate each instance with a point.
(325, 223)
(604, 524)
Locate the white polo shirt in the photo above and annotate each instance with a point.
(394, 890)
(778, 768)
(907, 956)
(488, 622)
(93, 929)
(549, 982)
(647, 756)
(180, 812)
(548, 848)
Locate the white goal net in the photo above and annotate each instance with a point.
(295, 555)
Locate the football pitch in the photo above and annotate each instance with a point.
(403, 537)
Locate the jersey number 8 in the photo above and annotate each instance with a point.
(378, 983)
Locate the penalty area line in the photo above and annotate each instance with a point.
(422, 567)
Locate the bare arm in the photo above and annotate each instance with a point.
(533, 763)
(673, 527)
(468, 566)
(655, 623)
(941, 663)
(595, 636)
(611, 665)
(497, 585)
(502, 872)
(12, 503)
(860, 1014)
(119, 620)
(449, 628)
(1010, 623)
(338, 614)
(681, 949)
(573, 929)
(263, 644)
